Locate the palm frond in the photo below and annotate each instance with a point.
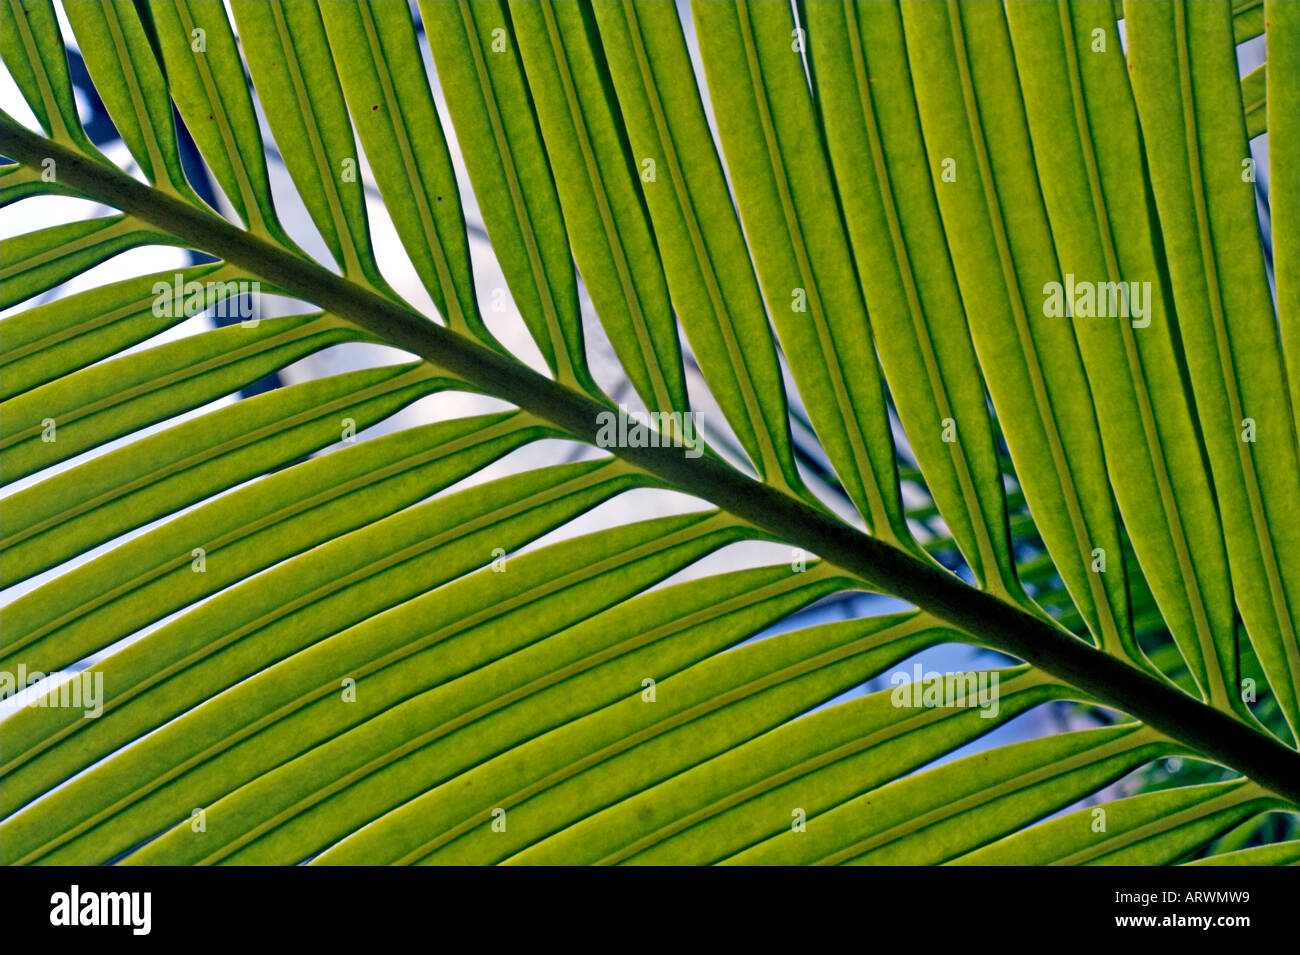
(324, 635)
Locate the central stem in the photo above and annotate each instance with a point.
(1207, 731)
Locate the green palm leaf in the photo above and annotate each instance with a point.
(327, 635)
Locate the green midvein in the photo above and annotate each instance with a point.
(1133, 741)
(1245, 457)
(466, 623)
(711, 705)
(1243, 792)
(1217, 690)
(161, 172)
(99, 320)
(286, 609)
(987, 618)
(58, 128)
(114, 228)
(15, 175)
(903, 257)
(881, 525)
(998, 222)
(196, 370)
(1104, 608)
(252, 210)
(351, 261)
(565, 372)
(414, 376)
(519, 693)
(771, 463)
(648, 354)
(790, 773)
(455, 314)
